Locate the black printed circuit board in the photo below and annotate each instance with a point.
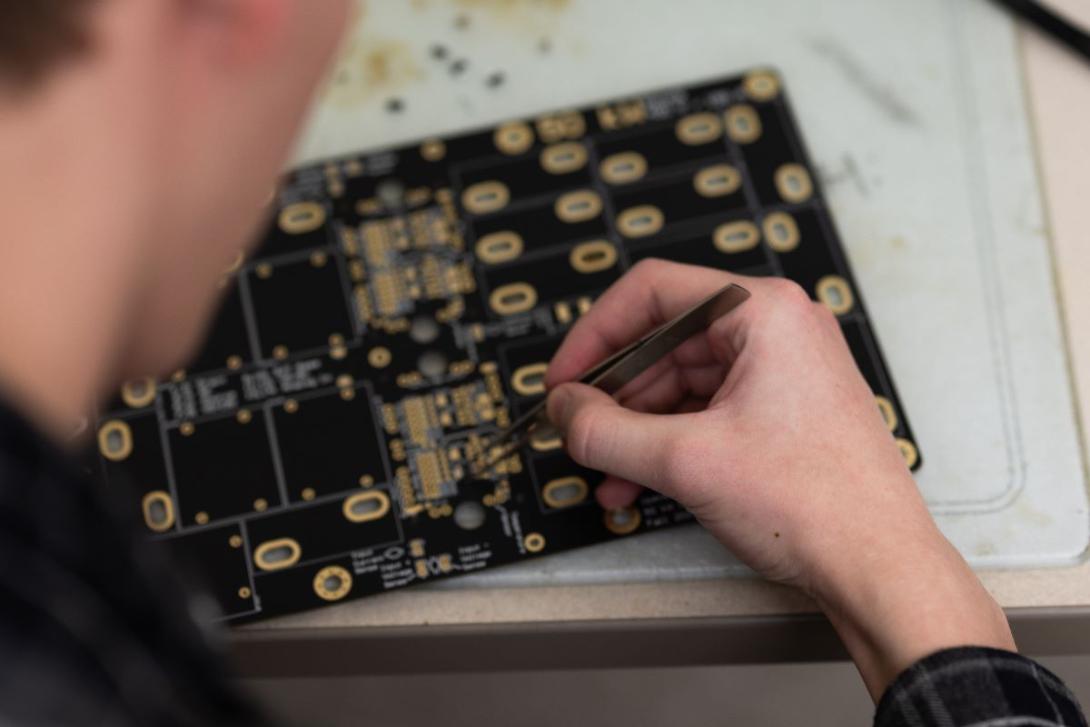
(403, 307)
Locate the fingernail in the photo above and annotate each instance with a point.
(556, 406)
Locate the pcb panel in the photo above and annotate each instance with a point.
(403, 308)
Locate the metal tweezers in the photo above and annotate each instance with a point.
(614, 372)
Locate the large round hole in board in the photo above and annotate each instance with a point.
(391, 192)
(469, 515)
(432, 364)
(424, 329)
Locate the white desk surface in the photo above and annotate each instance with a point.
(1059, 90)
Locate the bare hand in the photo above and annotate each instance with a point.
(765, 430)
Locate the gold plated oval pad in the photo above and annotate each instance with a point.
(781, 232)
(908, 451)
(115, 440)
(593, 257)
(640, 221)
(717, 181)
(138, 393)
(277, 554)
(735, 237)
(499, 247)
(301, 218)
(366, 506)
(623, 168)
(889, 414)
(529, 380)
(579, 206)
(513, 138)
(743, 124)
(545, 438)
(761, 85)
(485, 197)
(835, 293)
(696, 129)
(793, 183)
(563, 158)
(158, 511)
(564, 491)
(513, 298)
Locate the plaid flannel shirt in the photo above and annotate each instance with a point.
(978, 687)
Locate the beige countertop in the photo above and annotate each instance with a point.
(1059, 87)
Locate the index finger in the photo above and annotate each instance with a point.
(650, 294)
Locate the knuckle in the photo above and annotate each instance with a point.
(825, 316)
(583, 433)
(790, 295)
(648, 268)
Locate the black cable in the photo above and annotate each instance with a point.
(1052, 23)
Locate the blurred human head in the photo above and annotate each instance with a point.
(181, 114)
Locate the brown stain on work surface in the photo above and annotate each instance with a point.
(507, 5)
(495, 10)
(372, 66)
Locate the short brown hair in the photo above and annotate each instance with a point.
(35, 35)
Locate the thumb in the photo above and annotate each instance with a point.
(603, 435)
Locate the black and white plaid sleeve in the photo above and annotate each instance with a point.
(95, 626)
(978, 687)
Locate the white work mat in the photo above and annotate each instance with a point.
(916, 116)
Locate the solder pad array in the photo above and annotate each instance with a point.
(402, 308)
